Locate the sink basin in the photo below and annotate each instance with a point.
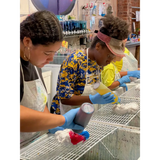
(119, 91)
(130, 85)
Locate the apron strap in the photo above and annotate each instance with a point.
(98, 73)
(87, 67)
(40, 79)
(22, 72)
(37, 72)
(87, 59)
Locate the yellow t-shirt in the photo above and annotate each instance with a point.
(108, 73)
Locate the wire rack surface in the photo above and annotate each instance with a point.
(98, 127)
(50, 149)
(133, 93)
(105, 113)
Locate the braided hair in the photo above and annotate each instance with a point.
(41, 27)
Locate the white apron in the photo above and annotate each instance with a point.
(88, 89)
(34, 97)
(130, 63)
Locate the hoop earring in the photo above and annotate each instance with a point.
(28, 58)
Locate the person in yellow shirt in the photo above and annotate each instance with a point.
(117, 73)
(128, 63)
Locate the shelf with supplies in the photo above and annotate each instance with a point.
(136, 12)
(77, 35)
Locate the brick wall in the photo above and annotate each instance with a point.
(124, 11)
(135, 3)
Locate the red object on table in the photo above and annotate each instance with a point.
(76, 138)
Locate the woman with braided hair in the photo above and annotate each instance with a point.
(40, 37)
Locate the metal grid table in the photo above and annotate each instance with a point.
(102, 124)
(105, 114)
(50, 149)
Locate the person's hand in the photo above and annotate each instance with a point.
(124, 79)
(102, 99)
(53, 130)
(124, 85)
(133, 74)
(69, 117)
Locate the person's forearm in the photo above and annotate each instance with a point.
(32, 120)
(123, 73)
(76, 100)
(114, 85)
(46, 110)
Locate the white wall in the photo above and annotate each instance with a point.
(81, 3)
(26, 7)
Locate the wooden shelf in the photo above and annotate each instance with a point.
(135, 7)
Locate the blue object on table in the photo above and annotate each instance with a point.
(133, 36)
(85, 134)
(128, 39)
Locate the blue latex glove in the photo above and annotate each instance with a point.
(124, 85)
(53, 130)
(102, 99)
(134, 74)
(69, 117)
(124, 79)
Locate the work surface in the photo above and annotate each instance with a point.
(129, 44)
(103, 123)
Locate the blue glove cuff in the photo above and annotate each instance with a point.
(90, 97)
(119, 80)
(129, 73)
(65, 122)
